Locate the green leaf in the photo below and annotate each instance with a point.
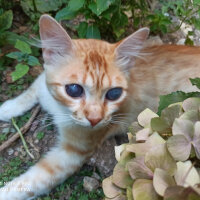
(166, 100)
(40, 135)
(65, 14)
(40, 6)
(82, 29)
(103, 5)
(20, 71)
(93, 7)
(33, 61)
(23, 47)
(195, 81)
(6, 20)
(75, 5)
(8, 37)
(93, 32)
(15, 55)
(119, 21)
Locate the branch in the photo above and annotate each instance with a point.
(23, 130)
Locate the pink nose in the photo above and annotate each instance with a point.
(94, 121)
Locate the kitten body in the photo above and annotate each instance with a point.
(84, 122)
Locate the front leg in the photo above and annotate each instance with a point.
(53, 169)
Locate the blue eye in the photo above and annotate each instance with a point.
(74, 90)
(114, 94)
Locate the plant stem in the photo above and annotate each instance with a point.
(22, 138)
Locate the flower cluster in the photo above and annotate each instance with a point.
(161, 160)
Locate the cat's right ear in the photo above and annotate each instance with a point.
(54, 39)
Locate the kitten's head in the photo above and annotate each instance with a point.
(89, 77)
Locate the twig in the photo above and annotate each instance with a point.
(23, 130)
(22, 138)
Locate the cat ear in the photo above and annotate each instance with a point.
(129, 48)
(55, 40)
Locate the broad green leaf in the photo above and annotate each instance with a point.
(179, 147)
(82, 29)
(183, 127)
(119, 21)
(166, 100)
(195, 81)
(75, 5)
(103, 5)
(144, 118)
(109, 189)
(138, 170)
(65, 14)
(20, 71)
(6, 20)
(41, 6)
(33, 61)
(15, 55)
(191, 104)
(162, 180)
(23, 47)
(143, 190)
(186, 174)
(93, 32)
(8, 37)
(93, 7)
(121, 177)
(159, 157)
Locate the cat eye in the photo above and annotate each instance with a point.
(114, 94)
(74, 90)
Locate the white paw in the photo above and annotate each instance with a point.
(6, 111)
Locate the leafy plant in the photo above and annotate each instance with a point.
(99, 17)
(162, 157)
(24, 59)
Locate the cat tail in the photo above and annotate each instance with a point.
(61, 162)
(19, 105)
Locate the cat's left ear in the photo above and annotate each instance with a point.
(129, 49)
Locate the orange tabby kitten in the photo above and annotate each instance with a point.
(92, 88)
